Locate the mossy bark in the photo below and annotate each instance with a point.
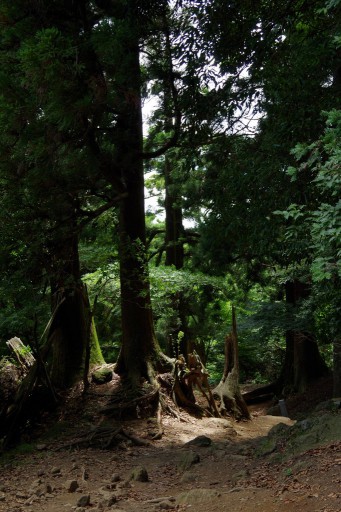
(96, 356)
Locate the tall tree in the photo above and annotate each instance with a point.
(245, 175)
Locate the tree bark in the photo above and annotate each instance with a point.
(337, 368)
(174, 226)
(140, 351)
(228, 390)
(303, 362)
(69, 331)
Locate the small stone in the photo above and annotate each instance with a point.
(55, 471)
(111, 486)
(139, 474)
(115, 477)
(2, 497)
(84, 501)
(199, 441)
(102, 376)
(111, 501)
(71, 485)
(41, 447)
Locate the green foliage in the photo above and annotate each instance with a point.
(319, 222)
(104, 294)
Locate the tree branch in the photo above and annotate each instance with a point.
(174, 93)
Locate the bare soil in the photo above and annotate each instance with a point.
(229, 474)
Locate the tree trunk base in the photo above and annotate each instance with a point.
(232, 402)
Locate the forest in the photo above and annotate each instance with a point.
(170, 201)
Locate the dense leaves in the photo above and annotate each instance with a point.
(236, 86)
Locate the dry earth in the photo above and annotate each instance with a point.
(229, 474)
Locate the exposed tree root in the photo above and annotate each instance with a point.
(130, 402)
(104, 437)
(188, 376)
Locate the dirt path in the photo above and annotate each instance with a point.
(225, 475)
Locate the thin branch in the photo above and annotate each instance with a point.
(90, 215)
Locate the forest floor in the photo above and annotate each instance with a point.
(268, 464)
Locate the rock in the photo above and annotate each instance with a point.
(330, 405)
(71, 485)
(84, 501)
(102, 376)
(305, 424)
(39, 488)
(111, 501)
(41, 447)
(199, 441)
(115, 477)
(2, 497)
(139, 474)
(55, 471)
(188, 460)
(279, 430)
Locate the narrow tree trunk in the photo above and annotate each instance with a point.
(228, 390)
(174, 217)
(337, 368)
(175, 258)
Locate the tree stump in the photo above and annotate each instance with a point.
(228, 390)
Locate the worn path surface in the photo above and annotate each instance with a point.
(239, 470)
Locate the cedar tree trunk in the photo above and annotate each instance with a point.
(140, 351)
(175, 257)
(70, 329)
(303, 362)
